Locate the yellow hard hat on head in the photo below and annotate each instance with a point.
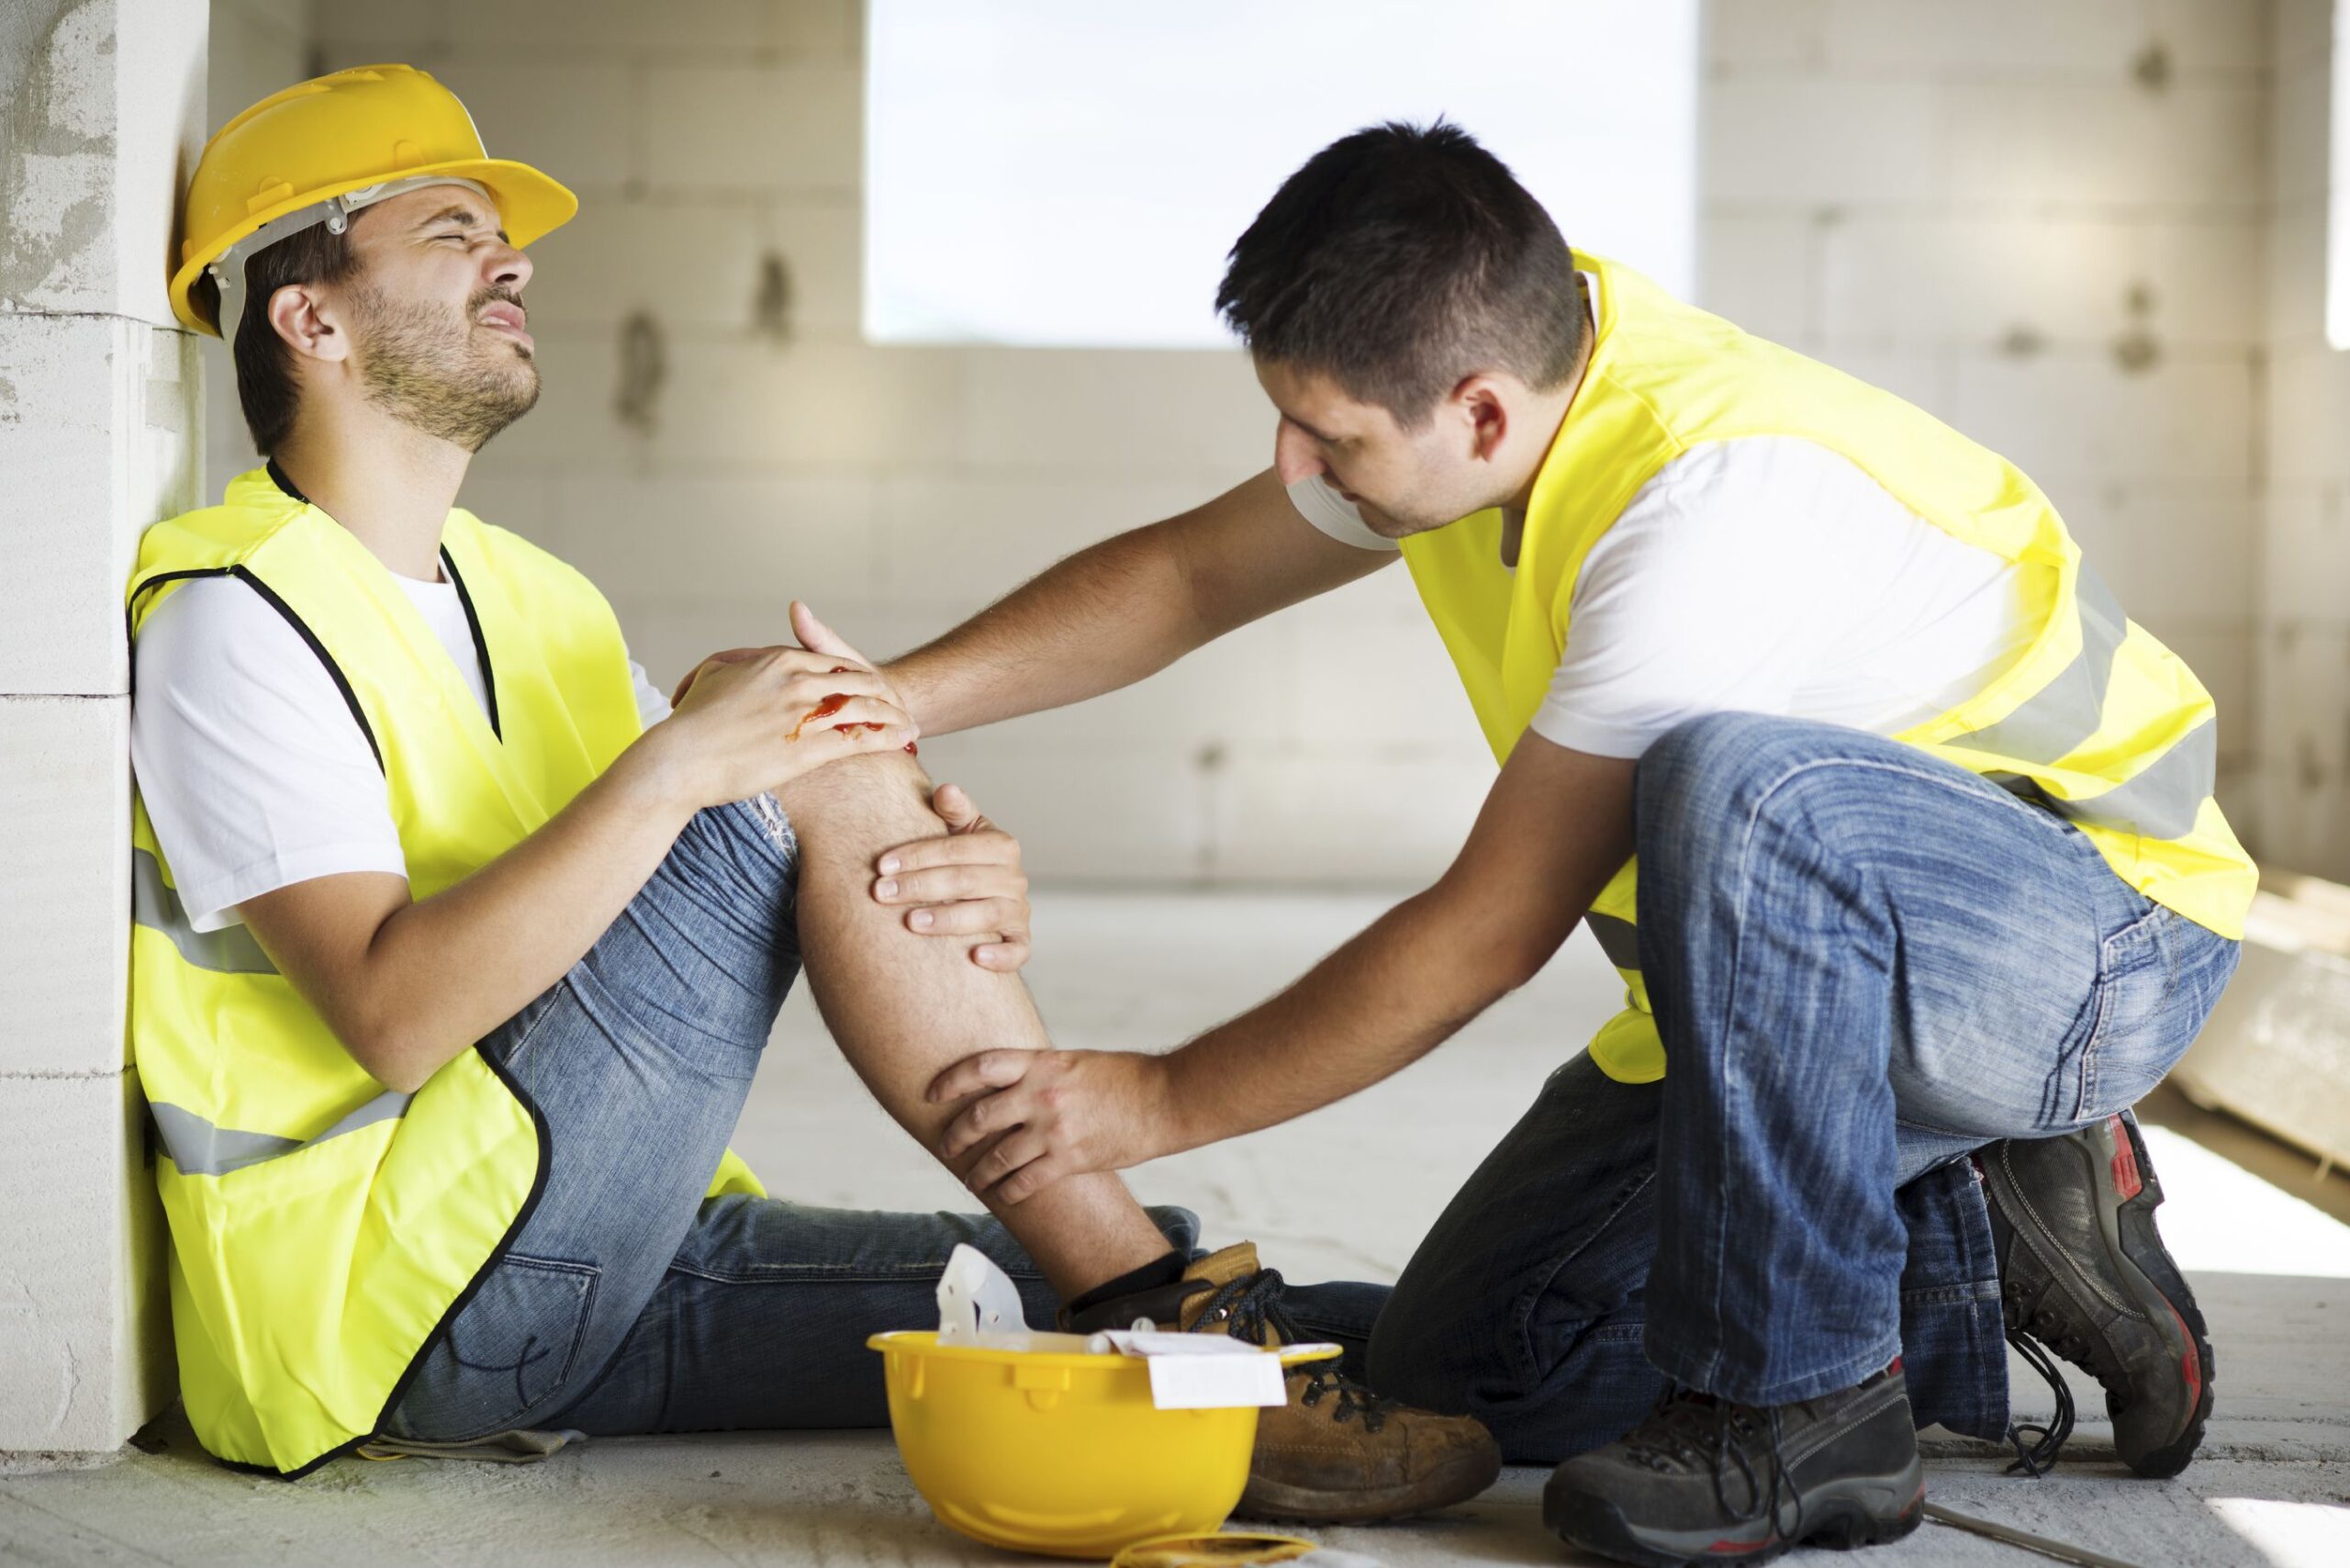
(324, 149)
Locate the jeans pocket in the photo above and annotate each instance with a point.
(2146, 1016)
(508, 1352)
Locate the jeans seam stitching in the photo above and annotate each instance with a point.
(1719, 1241)
(1744, 884)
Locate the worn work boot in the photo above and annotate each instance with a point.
(2083, 1272)
(1704, 1480)
(1336, 1453)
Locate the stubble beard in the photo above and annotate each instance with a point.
(433, 372)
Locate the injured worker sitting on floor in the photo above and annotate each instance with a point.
(1930, 887)
(457, 947)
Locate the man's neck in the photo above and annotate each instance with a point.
(389, 485)
(1547, 414)
(1548, 417)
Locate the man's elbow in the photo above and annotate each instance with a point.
(1482, 960)
(400, 1074)
(1510, 960)
(391, 1054)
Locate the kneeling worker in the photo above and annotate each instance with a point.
(1932, 885)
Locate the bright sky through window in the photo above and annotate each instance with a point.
(1068, 173)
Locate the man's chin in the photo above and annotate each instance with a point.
(1387, 525)
(519, 380)
(523, 398)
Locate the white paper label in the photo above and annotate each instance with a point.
(1216, 1382)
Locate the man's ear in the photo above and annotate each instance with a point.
(1485, 412)
(309, 323)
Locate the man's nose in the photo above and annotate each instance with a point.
(1294, 456)
(509, 268)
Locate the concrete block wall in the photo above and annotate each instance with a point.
(2303, 571)
(899, 488)
(2047, 225)
(258, 47)
(99, 425)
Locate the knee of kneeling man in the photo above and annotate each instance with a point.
(1400, 1367)
(1428, 1362)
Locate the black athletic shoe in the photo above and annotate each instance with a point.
(1705, 1481)
(2083, 1272)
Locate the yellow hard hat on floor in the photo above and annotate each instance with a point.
(324, 149)
(1064, 1454)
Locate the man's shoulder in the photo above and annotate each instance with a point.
(1759, 459)
(252, 512)
(1745, 512)
(1796, 489)
(210, 625)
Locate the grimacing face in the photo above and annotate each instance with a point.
(436, 316)
(1404, 481)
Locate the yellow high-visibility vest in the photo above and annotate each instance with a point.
(2096, 719)
(324, 1228)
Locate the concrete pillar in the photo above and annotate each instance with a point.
(102, 109)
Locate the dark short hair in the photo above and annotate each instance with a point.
(265, 381)
(1398, 261)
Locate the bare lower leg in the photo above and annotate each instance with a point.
(904, 1007)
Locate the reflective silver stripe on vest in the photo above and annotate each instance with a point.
(2057, 718)
(2162, 800)
(199, 1149)
(1620, 939)
(230, 951)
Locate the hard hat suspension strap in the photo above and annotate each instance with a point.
(227, 269)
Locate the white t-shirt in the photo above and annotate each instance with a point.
(1765, 575)
(254, 770)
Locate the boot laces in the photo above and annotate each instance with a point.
(1251, 1306)
(2035, 1327)
(1699, 1431)
(2038, 1457)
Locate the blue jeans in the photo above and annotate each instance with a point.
(1864, 964)
(628, 1303)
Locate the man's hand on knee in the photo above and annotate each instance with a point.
(953, 873)
(968, 884)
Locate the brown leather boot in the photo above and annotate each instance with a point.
(1336, 1453)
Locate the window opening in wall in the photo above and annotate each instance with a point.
(1067, 173)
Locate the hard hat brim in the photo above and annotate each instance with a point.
(530, 207)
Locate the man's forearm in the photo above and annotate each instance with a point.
(443, 971)
(1103, 619)
(1555, 828)
(1127, 608)
(1407, 983)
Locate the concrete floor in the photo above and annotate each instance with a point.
(1346, 1193)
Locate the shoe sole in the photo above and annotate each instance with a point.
(2145, 1268)
(1845, 1514)
(2141, 1244)
(1467, 1476)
